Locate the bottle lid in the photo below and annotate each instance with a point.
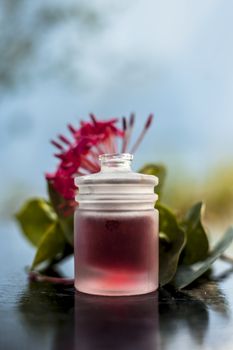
(116, 186)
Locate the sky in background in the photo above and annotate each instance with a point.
(172, 58)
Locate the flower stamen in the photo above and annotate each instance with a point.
(141, 136)
(56, 144)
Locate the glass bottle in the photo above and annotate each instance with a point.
(116, 230)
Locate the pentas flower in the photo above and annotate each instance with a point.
(79, 156)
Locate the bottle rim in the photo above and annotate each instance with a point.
(115, 157)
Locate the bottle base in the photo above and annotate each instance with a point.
(108, 292)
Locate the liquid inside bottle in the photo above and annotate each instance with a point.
(116, 232)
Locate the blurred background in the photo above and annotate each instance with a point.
(61, 60)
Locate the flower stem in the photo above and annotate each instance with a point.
(37, 277)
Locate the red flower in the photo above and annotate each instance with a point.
(80, 155)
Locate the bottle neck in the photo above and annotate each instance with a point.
(116, 162)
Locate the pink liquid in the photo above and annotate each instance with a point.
(116, 253)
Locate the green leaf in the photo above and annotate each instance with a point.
(187, 274)
(157, 170)
(171, 242)
(66, 222)
(197, 245)
(51, 245)
(34, 218)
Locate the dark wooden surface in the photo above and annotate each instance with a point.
(43, 316)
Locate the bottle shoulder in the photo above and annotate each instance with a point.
(117, 177)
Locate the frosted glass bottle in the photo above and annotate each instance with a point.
(116, 230)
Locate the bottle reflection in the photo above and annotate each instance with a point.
(56, 317)
(116, 322)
